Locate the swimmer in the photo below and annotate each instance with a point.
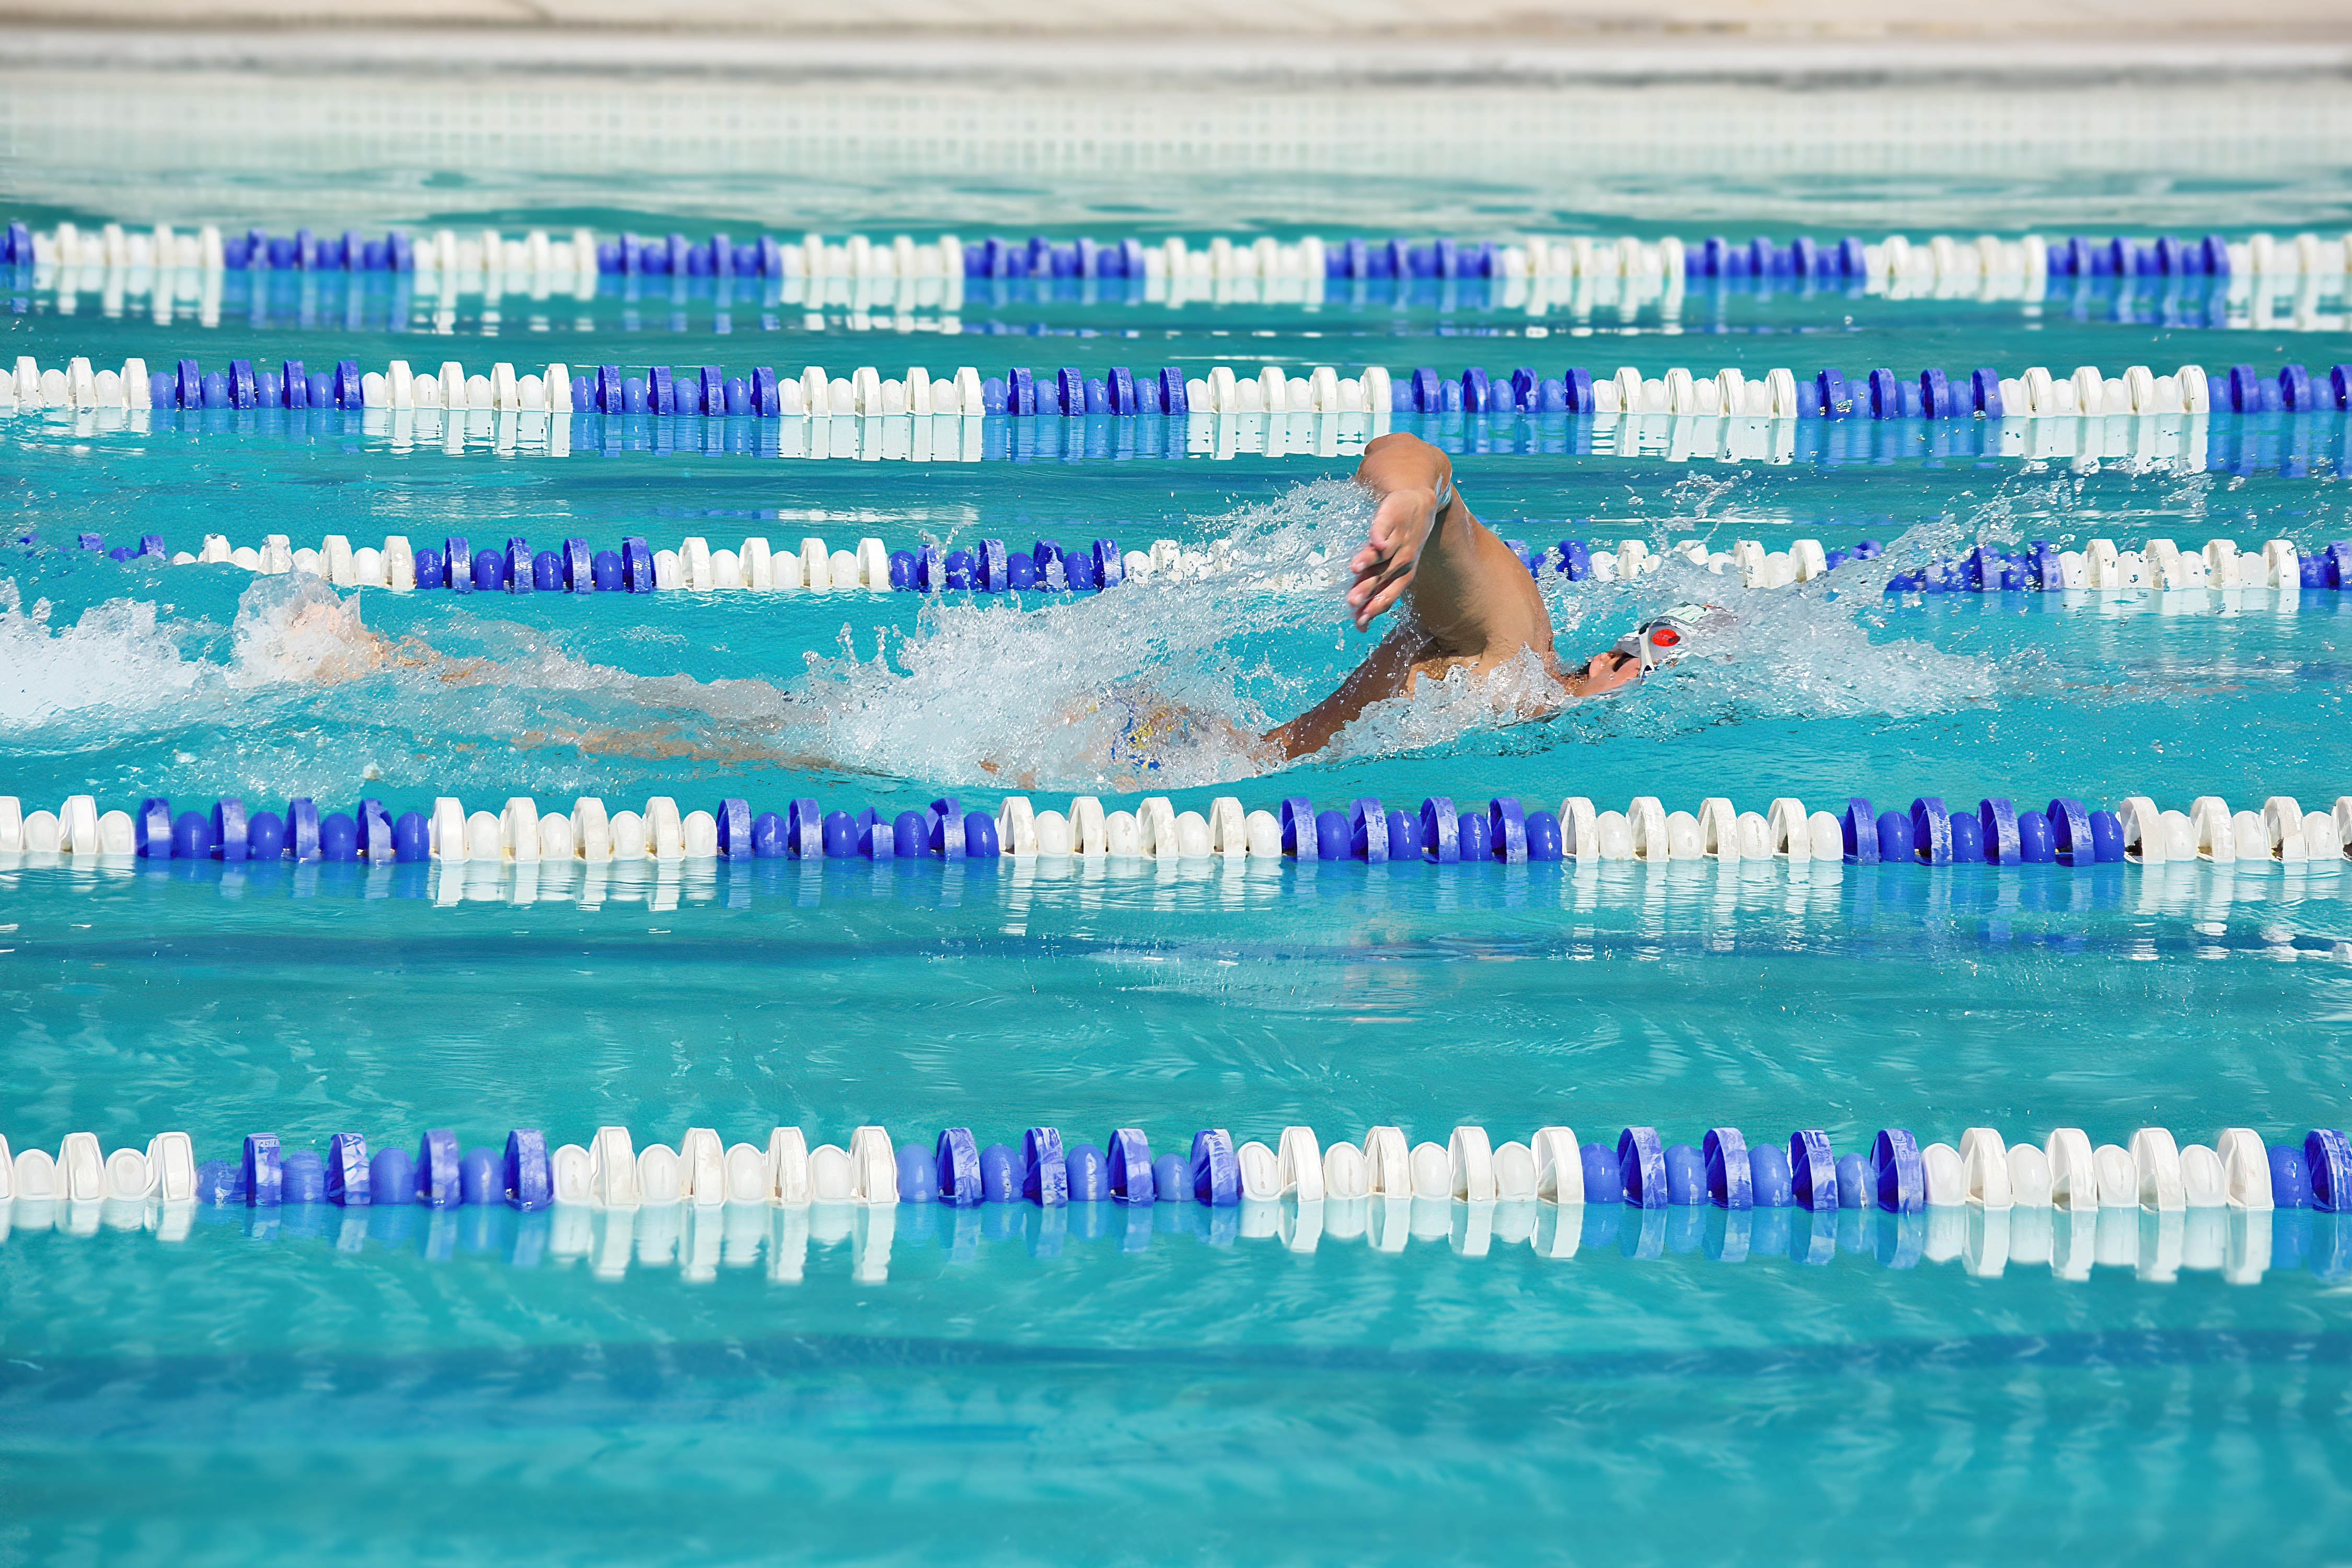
(1466, 606)
(1469, 604)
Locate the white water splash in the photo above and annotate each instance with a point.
(118, 656)
(126, 657)
(1045, 696)
(296, 628)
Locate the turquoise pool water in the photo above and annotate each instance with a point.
(1108, 1383)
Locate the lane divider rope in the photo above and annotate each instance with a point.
(991, 566)
(1930, 833)
(1984, 1200)
(710, 391)
(2290, 445)
(455, 257)
(254, 299)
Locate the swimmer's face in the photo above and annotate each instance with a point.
(1659, 642)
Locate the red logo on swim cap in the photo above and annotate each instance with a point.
(1665, 637)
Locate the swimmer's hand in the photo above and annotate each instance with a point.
(1385, 565)
(1603, 672)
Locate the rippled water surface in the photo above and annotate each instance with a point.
(1373, 1382)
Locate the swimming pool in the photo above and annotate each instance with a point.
(1370, 1377)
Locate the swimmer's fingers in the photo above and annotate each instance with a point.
(1372, 595)
(1399, 523)
(1378, 583)
(1383, 568)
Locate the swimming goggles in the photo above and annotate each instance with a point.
(1663, 638)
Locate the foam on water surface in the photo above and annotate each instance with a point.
(120, 656)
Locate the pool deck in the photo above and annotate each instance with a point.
(1608, 105)
(1363, 39)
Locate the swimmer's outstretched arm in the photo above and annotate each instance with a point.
(1469, 599)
